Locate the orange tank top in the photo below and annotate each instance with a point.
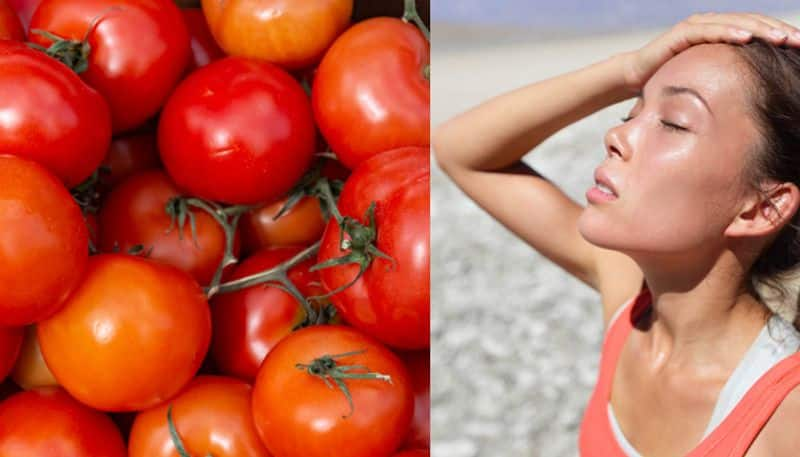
(731, 438)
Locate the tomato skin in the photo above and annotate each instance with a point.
(37, 212)
(372, 77)
(250, 322)
(212, 416)
(204, 49)
(47, 422)
(69, 133)
(10, 25)
(10, 344)
(413, 453)
(134, 214)
(129, 155)
(296, 414)
(419, 367)
(30, 370)
(131, 321)
(139, 51)
(302, 225)
(237, 131)
(24, 10)
(291, 33)
(389, 303)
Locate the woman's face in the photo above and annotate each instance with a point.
(677, 189)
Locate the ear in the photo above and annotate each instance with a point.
(758, 216)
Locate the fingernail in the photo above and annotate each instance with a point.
(741, 33)
(796, 34)
(777, 34)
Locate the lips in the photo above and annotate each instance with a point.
(601, 177)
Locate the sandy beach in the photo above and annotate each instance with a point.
(516, 339)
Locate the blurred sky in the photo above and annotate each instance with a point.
(591, 15)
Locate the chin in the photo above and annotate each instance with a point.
(600, 230)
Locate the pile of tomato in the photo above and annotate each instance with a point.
(214, 229)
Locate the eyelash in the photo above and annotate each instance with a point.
(665, 124)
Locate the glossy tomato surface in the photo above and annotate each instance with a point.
(237, 131)
(297, 414)
(204, 48)
(372, 77)
(30, 371)
(250, 322)
(50, 115)
(391, 301)
(419, 368)
(290, 33)
(302, 225)
(128, 155)
(43, 242)
(212, 416)
(413, 453)
(134, 214)
(131, 336)
(10, 344)
(48, 422)
(139, 50)
(24, 10)
(10, 26)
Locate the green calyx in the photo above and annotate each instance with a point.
(411, 15)
(72, 53)
(176, 437)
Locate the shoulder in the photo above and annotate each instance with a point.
(780, 431)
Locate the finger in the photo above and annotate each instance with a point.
(772, 32)
(714, 33)
(792, 31)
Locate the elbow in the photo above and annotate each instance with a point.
(441, 147)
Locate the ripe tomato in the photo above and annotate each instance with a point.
(37, 212)
(391, 301)
(131, 336)
(10, 343)
(302, 225)
(297, 414)
(10, 27)
(134, 214)
(290, 34)
(31, 371)
(139, 50)
(47, 422)
(237, 131)
(212, 416)
(413, 453)
(248, 323)
(127, 156)
(372, 78)
(419, 367)
(204, 48)
(67, 131)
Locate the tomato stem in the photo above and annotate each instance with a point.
(411, 15)
(327, 369)
(311, 184)
(176, 437)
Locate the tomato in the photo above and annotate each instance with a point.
(391, 301)
(372, 78)
(293, 34)
(250, 322)
(127, 156)
(47, 423)
(31, 371)
(67, 131)
(297, 414)
(413, 453)
(302, 225)
(24, 10)
(10, 343)
(10, 27)
(237, 131)
(204, 48)
(134, 214)
(139, 50)
(212, 416)
(37, 212)
(419, 367)
(131, 336)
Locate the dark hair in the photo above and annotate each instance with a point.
(774, 93)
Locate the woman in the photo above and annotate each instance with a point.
(696, 201)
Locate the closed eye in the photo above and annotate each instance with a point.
(666, 124)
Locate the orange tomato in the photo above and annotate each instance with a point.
(10, 343)
(31, 371)
(302, 225)
(291, 33)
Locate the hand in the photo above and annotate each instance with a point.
(737, 28)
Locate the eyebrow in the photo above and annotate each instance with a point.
(677, 90)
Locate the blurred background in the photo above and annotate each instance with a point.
(516, 340)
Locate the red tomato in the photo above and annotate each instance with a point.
(298, 415)
(24, 10)
(413, 453)
(127, 156)
(131, 336)
(390, 301)
(250, 322)
(10, 343)
(37, 212)
(302, 225)
(31, 371)
(134, 214)
(204, 48)
(212, 416)
(419, 367)
(139, 50)
(10, 27)
(292, 34)
(237, 131)
(47, 423)
(372, 78)
(67, 131)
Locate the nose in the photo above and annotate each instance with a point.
(616, 142)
